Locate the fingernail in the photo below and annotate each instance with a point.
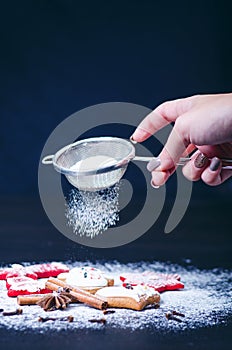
(200, 161)
(154, 186)
(158, 177)
(132, 140)
(153, 164)
(215, 163)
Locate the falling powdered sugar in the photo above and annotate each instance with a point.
(91, 213)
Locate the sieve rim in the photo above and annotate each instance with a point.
(119, 164)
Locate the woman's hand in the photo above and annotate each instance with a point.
(202, 122)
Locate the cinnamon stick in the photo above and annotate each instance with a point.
(81, 295)
(34, 298)
(30, 299)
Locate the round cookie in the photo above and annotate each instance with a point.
(88, 278)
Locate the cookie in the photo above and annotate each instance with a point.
(159, 281)
(25, 286)
(34, 271)
(88, 278)
(135, 298)
(52, 269)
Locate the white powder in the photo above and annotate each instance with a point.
(136, 293)
(91, 213)
(205, 301)
(93, 163)
(86, 277)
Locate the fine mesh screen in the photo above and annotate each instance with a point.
(114, 149)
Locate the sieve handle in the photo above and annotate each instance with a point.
(226, 162)
(48, 159)
(144, 159)
(182, 160)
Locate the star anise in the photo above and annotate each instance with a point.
(55, 301)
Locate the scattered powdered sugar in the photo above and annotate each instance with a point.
(205, 302)
(91, 213)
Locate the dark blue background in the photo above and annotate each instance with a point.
(60, 56)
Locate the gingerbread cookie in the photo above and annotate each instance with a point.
(88, 278)
(136, 298)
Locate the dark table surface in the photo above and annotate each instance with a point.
(204, 239)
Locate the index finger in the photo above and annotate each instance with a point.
(163, 115)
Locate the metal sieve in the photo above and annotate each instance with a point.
(103, 173)
(101, 177)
